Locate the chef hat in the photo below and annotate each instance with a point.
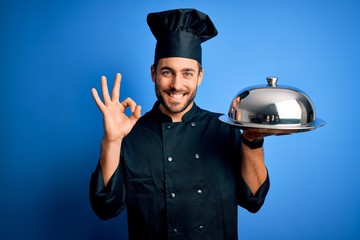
(180, 32)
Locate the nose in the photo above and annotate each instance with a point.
(176, 82)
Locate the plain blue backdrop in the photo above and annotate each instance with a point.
(53, 52)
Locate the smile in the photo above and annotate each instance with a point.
(177, 96)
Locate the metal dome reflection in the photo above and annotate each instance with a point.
(272, 107)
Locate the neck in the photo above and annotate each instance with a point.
(176, 117)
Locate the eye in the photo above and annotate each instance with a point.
(167, 73)
(188, 74)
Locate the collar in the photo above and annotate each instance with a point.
(157, 114)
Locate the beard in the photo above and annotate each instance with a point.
(174, 107)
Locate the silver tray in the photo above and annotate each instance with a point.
(274, 129)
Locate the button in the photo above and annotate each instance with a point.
(197, 156)
(169, 159)
(199, 192)
(201, 227)
(172, 230)
(172, 195)
(193, 124)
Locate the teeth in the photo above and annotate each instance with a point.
(176, 96)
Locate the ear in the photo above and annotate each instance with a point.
(153, 73)
(201, 73)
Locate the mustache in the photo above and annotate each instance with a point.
(174, 90)
(171, 90)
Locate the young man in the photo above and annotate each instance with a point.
(180, 171)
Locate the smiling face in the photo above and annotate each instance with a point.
(176, 80)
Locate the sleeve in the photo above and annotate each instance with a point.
(245, 197)
(248, 200)
(109, 201)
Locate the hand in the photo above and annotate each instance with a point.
(253, 133)
(116, 123)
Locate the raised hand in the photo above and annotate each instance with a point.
(116, 123)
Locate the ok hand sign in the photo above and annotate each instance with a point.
(116, 123)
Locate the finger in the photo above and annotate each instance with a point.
(136, 114)
(97, 99)
(254, 134)
(105, 90)
(116, 89)
(129, 103)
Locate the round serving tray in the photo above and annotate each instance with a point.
(276, 128)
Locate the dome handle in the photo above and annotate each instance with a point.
(272, 81)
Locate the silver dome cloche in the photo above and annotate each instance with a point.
(272, 108)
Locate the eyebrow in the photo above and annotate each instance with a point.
(183, 70)
(188, 70)
(166, 68)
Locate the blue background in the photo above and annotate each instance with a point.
(54, 52)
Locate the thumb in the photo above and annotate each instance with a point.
(136, 114)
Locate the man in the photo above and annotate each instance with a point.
(180, 171)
